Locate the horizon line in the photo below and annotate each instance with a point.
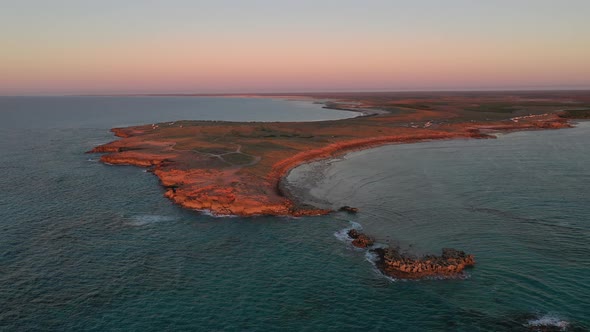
(302, 92)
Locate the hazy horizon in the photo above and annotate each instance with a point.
(278, 93)
(222, 47)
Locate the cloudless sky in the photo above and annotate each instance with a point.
(132, 46)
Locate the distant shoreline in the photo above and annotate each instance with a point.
(313, 94)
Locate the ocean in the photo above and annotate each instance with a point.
(88, 246)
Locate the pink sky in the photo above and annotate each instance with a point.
(167, 50)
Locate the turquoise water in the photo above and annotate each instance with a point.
(86, 246)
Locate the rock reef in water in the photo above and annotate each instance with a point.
(349, 209)
(395, 264)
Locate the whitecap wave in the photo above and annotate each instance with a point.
(147, 219)
(370, 255)
(548, 321)
(342, 234)
(372, 258)
(210, 213)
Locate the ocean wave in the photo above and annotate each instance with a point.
(147, 219)
(209, 213)
(342, 234)
(370, 255)
(545, 321)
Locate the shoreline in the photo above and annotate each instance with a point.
(286, 189)
(301, 196)
(305, 199)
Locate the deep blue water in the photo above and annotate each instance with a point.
(86, 246)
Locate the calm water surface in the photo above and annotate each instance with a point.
(86, 246)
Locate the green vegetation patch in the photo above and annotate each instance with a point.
(260, 148)
(414, 106)
(576, 114)
(265, 132)
(494, 108)
(214, 150)
(238, 158)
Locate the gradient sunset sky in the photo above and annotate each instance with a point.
(109, 46)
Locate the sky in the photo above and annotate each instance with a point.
(223, 46)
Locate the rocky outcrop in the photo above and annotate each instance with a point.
(359, 239)
(552, 124)
(395, 264)
(105, 149)
(349, 209)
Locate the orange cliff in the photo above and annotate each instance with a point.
(232, 168)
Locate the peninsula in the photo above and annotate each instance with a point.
(235, 168)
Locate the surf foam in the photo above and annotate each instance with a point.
(549, 321)
(146, 219)
(342, 234)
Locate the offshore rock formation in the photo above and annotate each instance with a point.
(348, 209)
(395, 264)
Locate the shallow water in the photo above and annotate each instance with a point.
(89, 246)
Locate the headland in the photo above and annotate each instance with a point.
(235, 168)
